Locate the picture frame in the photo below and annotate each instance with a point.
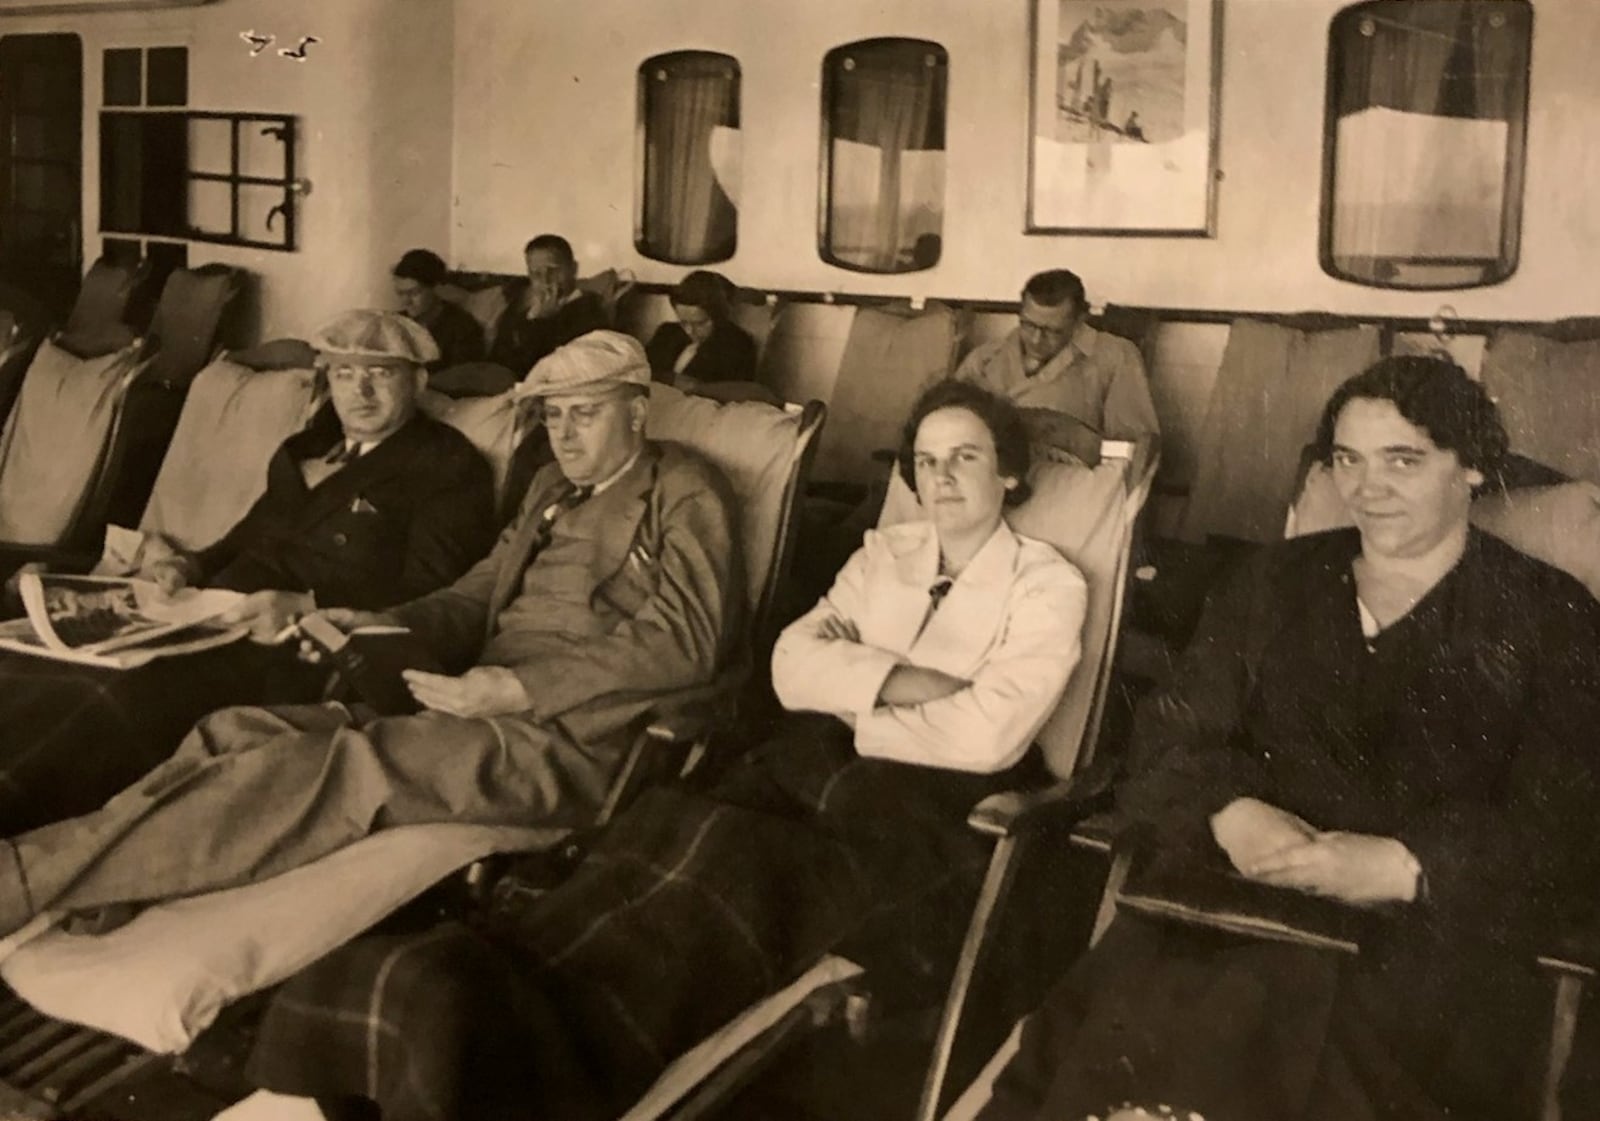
(1123, 117)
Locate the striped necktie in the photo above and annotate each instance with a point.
(343, 453)
(569, 499)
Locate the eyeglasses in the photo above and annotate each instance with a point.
(582, 416)
(349, 375)
(1028, 326)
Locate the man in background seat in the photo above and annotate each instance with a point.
(546, 311)
(617, 586)
(417, 277)
(1055, 361)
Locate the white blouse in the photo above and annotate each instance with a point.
(1010, 624)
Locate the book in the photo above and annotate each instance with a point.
(1225, 900)
(371, 659)
(116, 622)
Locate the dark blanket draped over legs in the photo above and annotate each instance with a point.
(691, 907)
(71, 736)
(1263, 1031)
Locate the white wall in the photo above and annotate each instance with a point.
(374, 101)
(544, 140)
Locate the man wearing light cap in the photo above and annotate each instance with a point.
(372, 504)
(617, 586)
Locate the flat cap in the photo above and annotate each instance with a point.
(588, 363)
(368, 333)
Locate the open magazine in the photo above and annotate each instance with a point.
(114, 621)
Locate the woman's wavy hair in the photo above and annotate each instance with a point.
(709, 291)
(999, 416)
(1435, 395)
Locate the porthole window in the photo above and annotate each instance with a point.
(689, 158)
(1424, 145)
(883, 163)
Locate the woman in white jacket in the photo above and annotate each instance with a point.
(916, 685)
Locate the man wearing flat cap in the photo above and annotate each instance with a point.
(617, 586)
(372, 504)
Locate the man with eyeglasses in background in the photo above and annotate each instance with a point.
(617, 585)
(1055, 363)
(372, 504)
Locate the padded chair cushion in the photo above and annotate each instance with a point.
(279, 354)
(186, 321)
(1545, 390)
(752, 443)
(486, 306)
(162, 978)
(1559, 524)
(611, 286)
(96, 340)
(889, 357)
(1081, 511)
(757, 321)
(1270, 390)
(490, 423)
(473, 379)
(53, 438)
(215, 468)
(102, 302)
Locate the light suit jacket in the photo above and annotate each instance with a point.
(1011, 624)
(657, 611)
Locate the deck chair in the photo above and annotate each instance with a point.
(83, 445)
(24, 323)
(97, 324)
(171, 970)
(238, 410)
(1089, 514)
(1559, 524)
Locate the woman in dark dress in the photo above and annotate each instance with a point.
(704, 345)
(1399, 717)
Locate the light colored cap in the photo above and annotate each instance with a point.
(367, 333)
(588, 363)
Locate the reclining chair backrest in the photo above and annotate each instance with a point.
(1088, 514)
(238, 410)
(183, 330)
(55, 439)
(1270, 389)
(493, 425)
(95, 326)
(765, 453)
(19, 341)
(1543, 381)
(890, 356)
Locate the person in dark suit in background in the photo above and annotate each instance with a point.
(372, 504)
(546, 310)
(704, 345)
(417, 277)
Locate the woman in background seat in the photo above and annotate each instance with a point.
(704, 345)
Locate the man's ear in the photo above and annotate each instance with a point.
(638, 409)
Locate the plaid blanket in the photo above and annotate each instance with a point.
(71, 735)
(691, 906)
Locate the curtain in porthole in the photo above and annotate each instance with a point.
(886, 159)
(691, 161)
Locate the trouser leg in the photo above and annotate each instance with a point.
(255, 792)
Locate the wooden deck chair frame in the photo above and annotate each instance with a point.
(1011, 818)
(51, 1069)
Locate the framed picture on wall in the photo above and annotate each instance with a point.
(1122, 129)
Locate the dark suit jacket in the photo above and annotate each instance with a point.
(519, 342)
(409, 516)
(728, 355)
(460, 337)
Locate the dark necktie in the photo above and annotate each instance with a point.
(343, 453)
(936, 593)
(569, 499)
